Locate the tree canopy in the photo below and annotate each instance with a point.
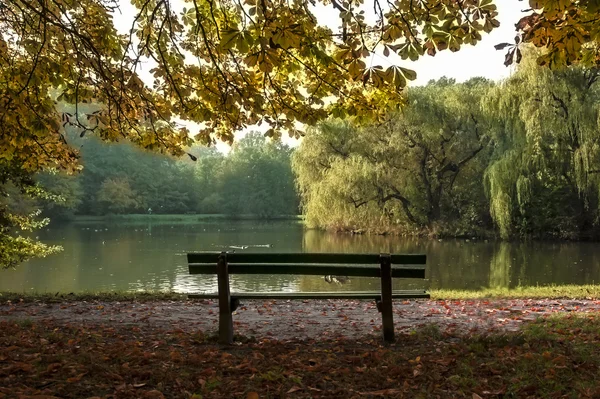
(254, 179)
(222, 66)
(231, 64)
(520, 158)
(544, 174)
(416, 172)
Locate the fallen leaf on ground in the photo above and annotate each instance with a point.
(381, 392)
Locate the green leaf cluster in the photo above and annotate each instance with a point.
(18, 218)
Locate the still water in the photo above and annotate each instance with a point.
(147, 255)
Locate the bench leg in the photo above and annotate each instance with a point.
(235, 303)
(387, 314)
(225, 317)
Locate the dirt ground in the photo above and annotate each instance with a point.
(297, 319)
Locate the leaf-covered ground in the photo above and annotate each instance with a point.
(157, 349)
(284, 319)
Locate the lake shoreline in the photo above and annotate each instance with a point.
(141, 255)
(189, 218)
(480, 235)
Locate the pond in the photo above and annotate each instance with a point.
(150, 255)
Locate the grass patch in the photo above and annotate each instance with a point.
(24, 323)
(553, 357)
(147, 296)
(555, 291)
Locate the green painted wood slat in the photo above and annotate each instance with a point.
(326, 258)
(314, 295)
(309, 270)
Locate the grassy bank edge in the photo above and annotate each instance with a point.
(118, 296)
(189, 218)
(589, 292)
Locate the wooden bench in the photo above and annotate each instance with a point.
(353, 265)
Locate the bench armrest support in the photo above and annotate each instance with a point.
(225, 316)
(387, 313)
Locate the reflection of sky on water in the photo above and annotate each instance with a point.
(143, 256)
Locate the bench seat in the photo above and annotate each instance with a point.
(407, 294)
(384, 266)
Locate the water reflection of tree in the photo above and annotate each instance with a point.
(123, 256)
(500, 266)
(320, 241)
(544, 263)
(563, 263)
(264, 283)
(451, 264)
(318, 284)
(60, 272)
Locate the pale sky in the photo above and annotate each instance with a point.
(480, 60)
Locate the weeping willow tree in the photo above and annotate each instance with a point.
(330, 172)
(543, 180)
(418, 172)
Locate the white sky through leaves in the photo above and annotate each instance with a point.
(480, 60)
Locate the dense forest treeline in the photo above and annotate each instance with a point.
(517, 159)
(255, 178)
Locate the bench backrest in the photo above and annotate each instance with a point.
(355, 265)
